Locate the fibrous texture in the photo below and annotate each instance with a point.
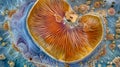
(46, 25)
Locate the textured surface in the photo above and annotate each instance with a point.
(17, 48)
(60, 40)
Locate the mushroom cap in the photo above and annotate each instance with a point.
(57, 39)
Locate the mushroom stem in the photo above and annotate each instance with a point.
(71, 16)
